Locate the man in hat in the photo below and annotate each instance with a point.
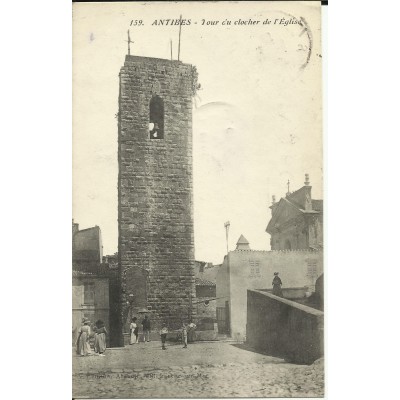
(276, 285)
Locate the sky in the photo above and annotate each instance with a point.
(257, 119)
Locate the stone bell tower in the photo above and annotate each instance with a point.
(155, 189)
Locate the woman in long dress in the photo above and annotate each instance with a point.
(83, 346)
(276, 285)
(134, 331)
(100, 338)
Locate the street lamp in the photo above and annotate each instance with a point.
(227, 225)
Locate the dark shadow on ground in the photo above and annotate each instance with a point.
(277, 355)
(246, 347)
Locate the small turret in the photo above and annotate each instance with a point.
(242, 244)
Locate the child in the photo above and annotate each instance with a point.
(163, 334)
(184, 335)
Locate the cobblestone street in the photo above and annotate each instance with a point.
(214, 369)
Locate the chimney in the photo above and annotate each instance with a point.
(307, 188)
(288, 188)
(273, 199)
(75, 227)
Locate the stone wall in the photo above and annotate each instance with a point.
(283, 328)
(205, 291)
(86, 244)
(296, 233)
(223, 293)
(253, 269)
(114, 298)
(155, 216)
(204, 311)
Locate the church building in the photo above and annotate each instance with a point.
(297, 221)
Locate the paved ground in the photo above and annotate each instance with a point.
(203, 370)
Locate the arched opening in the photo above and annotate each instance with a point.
(288, 245)
(156, 120)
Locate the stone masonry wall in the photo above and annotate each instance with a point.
(283, 328)
(155, 190)
(252, 269)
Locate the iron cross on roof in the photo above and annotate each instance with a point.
(288, 188)
(129, 43)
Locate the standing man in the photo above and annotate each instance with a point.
(146, 329)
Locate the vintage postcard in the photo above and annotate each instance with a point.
(197, 231)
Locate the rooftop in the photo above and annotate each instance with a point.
(204, 282)
(242, 243)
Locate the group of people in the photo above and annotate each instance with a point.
(85, 333)
(134, 330)
(186, 329)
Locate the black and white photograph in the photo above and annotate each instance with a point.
(198, 200)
